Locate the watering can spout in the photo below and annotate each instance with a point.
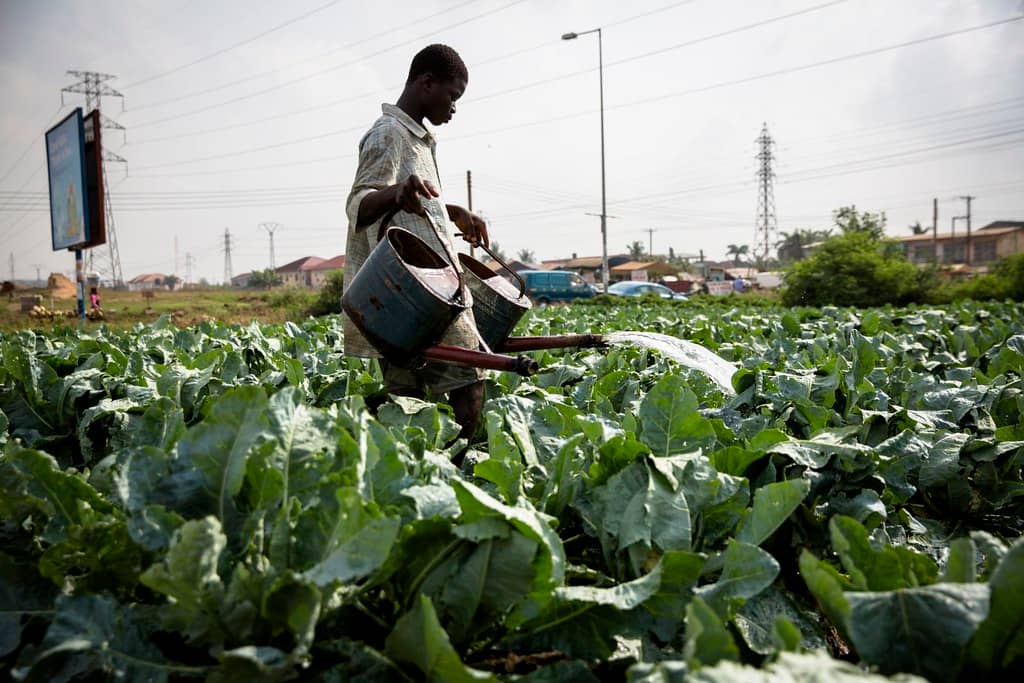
(565, 341)
(446, 353)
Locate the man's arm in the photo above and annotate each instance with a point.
(402, 196)
(474, 229)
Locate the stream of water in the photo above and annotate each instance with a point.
(682, 351)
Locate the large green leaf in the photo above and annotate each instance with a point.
(549, 562)
(435, 420)
(998, 645)
(97, 635)
(23, 593)
(485, 583)
(670, 419)
(917, 630)
(773, 504)
(747, 571)
(811, 667)
(583, 621)
(826, 585)
(32, 481)
(219, 446)
(344, 541)
(189, 578)
(878, 569)
(708, 641)
(419, 641)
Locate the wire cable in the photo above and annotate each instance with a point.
(217, 53)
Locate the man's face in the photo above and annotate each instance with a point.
(441, 98)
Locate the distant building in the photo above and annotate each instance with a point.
(514, 264)
(988, 244)
(589, 267)
(318, 273)
(642, 271)
(298, 273)
(241, 280)
(148, 281)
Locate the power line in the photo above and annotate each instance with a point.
(648, 100)
(677, 46)
(52, 118)
(271, 72)
(359, 60)
(217, 53)
(389, 32)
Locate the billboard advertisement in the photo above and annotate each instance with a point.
(65, 160)
(94, 180)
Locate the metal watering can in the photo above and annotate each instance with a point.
(406, 295)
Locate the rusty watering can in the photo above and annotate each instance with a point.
(406, 295)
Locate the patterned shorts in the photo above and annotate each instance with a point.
(434, 377)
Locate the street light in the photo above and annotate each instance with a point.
(604, 208)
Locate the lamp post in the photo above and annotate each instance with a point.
(604, 208)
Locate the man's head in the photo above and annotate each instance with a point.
(437, 78)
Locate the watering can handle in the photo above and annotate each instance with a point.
(517, 276)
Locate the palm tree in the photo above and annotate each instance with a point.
(790, 246)
(636, 249)
(736, 251)
(526, 256)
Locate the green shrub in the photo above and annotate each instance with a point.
(292, 298)
(855, 269)
(1006, 281)
(328, 300)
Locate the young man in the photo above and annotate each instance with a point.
(398, 171)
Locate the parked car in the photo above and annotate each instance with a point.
(548, 286)
(631, 288)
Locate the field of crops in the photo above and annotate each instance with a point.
(217, 503)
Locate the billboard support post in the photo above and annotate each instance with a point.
(80, 282)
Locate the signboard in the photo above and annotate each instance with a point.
(719, 287)
(65, 162)
(94, 180)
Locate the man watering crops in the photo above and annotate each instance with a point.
(398, 172)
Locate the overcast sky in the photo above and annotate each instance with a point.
(241, 113)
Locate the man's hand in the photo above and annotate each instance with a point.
(473, 228)
(409, 191)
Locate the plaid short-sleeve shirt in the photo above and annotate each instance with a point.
(394, 148)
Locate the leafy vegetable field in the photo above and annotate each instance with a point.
(217, 503)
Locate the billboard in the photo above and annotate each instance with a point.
(94, 180)
(65, 163)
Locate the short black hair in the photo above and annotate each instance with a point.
(440, 60)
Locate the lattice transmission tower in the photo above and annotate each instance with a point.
(767, 226)
(94, 86)
(227, 257)
(271, 227)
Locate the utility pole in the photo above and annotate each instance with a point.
(94, 86)
(271, 228)
(935, 231)
(227, 257)
(767, 223)
(952, 237)
(968, 199)
(189, 262)
(39, 279)
(650, 242)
